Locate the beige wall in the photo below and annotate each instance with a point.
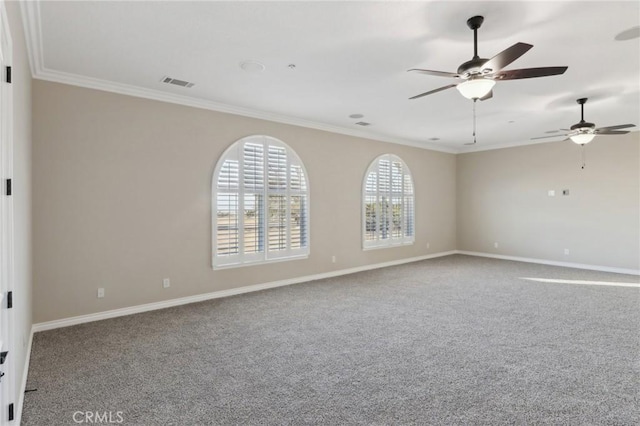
(22, 283)
(122, 195)
(502, 196)
(122, 200)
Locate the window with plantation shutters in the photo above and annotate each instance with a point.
(388, 203)
(260, 204)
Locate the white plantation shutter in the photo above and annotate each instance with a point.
(388, 203)
(277, 173)
(260, 204)
(408, 207)
(227, 202)
(298, 206)
(253, 173)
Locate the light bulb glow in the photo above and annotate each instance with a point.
(475, 88)
(582, 138)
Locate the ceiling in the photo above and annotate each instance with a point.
(324, 61)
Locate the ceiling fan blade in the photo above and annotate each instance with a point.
(529, 73)
(433, 91)
(611, 132)
(435, 73)
(550, 136)
(507, 56)
(487, 96)
(618, 127)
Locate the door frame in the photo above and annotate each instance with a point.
(7, 323)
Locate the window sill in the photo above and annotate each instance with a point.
(260, 262)
(400, 244)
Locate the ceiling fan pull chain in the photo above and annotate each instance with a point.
(584, 157)
(474, 120)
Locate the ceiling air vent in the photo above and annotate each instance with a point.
(363, 123)
(177, 82)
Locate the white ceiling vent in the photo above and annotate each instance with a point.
(363, 123)
(177, 82)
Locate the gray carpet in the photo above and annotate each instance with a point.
(454, 340)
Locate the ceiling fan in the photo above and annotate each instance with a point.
(584, 132)
(479, 75)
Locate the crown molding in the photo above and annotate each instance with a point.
(469, 150)
(31, 18)
(157, 95)
(33, 35)
(30, 11)
(472, 149)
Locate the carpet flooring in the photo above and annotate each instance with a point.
(453, 340)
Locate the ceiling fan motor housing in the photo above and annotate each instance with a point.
(583, 125)
(473, 67)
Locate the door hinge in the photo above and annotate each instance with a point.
(9, 187)
(11, 411)
(8, 75)
(9, 299)
(3, 356)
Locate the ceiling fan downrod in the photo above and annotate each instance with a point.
(474, 23)
(582, 101)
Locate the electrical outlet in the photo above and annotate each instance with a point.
(333, 259)
(551, 193)
(428, 245)
(495, 245)
(166, 283)
(100, 293)
(566, 251)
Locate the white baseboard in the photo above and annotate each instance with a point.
(66, 322)
(553, 262)
(23, 384)
(231, 292)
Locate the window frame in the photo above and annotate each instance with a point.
(404, 240)
(236, 152)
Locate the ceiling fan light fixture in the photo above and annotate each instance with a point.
(582, 138)
(475, 88)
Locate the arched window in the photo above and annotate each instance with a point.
(388, 203)
(260, 204)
